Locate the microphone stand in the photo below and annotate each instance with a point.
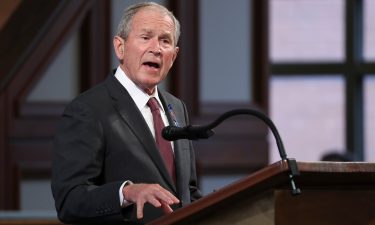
(292, 164)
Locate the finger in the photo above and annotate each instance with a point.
(172, 199)
(140, 205)
(166, 208)
(166, 197)
(175, 200)
(153, 201)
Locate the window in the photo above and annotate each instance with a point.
(369, 118)
(309, 114)
(306, 30)
(320, 52)
(369, 30)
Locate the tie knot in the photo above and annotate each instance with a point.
(153, 104)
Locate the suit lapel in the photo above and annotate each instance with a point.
(181, 151)
(129, 112)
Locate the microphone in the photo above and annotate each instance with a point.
(194, 132)
(173, 133)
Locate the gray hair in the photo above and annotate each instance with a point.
(124, 26)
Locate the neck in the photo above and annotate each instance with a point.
(149, 91)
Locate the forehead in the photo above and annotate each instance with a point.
(152, 18)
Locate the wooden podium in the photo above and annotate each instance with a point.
(341, 193)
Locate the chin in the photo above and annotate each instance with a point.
(150, 85)
(152, 82)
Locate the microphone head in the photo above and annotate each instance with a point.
(171, 133)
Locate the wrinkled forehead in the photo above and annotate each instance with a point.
(154, 10)
(151, 17)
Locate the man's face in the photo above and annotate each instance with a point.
(149, 51)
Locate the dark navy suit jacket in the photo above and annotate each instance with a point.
(102, 141)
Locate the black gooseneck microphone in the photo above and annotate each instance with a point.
(194, 132)
(191, 132)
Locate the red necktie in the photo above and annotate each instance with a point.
(164, 146)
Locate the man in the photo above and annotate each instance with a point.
(107, 166)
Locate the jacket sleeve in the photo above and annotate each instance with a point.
(77, 186)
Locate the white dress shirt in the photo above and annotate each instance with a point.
(140, 97)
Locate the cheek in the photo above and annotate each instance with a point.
(132, 61)
(169, 61)
(133, 54)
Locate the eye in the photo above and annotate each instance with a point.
(145, 37)
(165, 41)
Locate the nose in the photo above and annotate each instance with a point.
(155, 47)
(157, 51)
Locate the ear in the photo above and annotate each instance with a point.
(176, 50)
(118, 45)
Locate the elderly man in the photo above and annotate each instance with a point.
(110, 164)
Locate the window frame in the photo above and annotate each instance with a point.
(353, 69)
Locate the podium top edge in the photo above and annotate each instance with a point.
(336, 167)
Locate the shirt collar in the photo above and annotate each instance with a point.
(139, 96)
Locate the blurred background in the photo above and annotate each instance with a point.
(308, 64)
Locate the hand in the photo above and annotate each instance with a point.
(151, 193)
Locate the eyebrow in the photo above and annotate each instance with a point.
(147, 31)
(163, 35)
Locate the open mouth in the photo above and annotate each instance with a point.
(152, 64)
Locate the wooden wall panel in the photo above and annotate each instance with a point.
(40, 28)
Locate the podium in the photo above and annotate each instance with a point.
(341, 193)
